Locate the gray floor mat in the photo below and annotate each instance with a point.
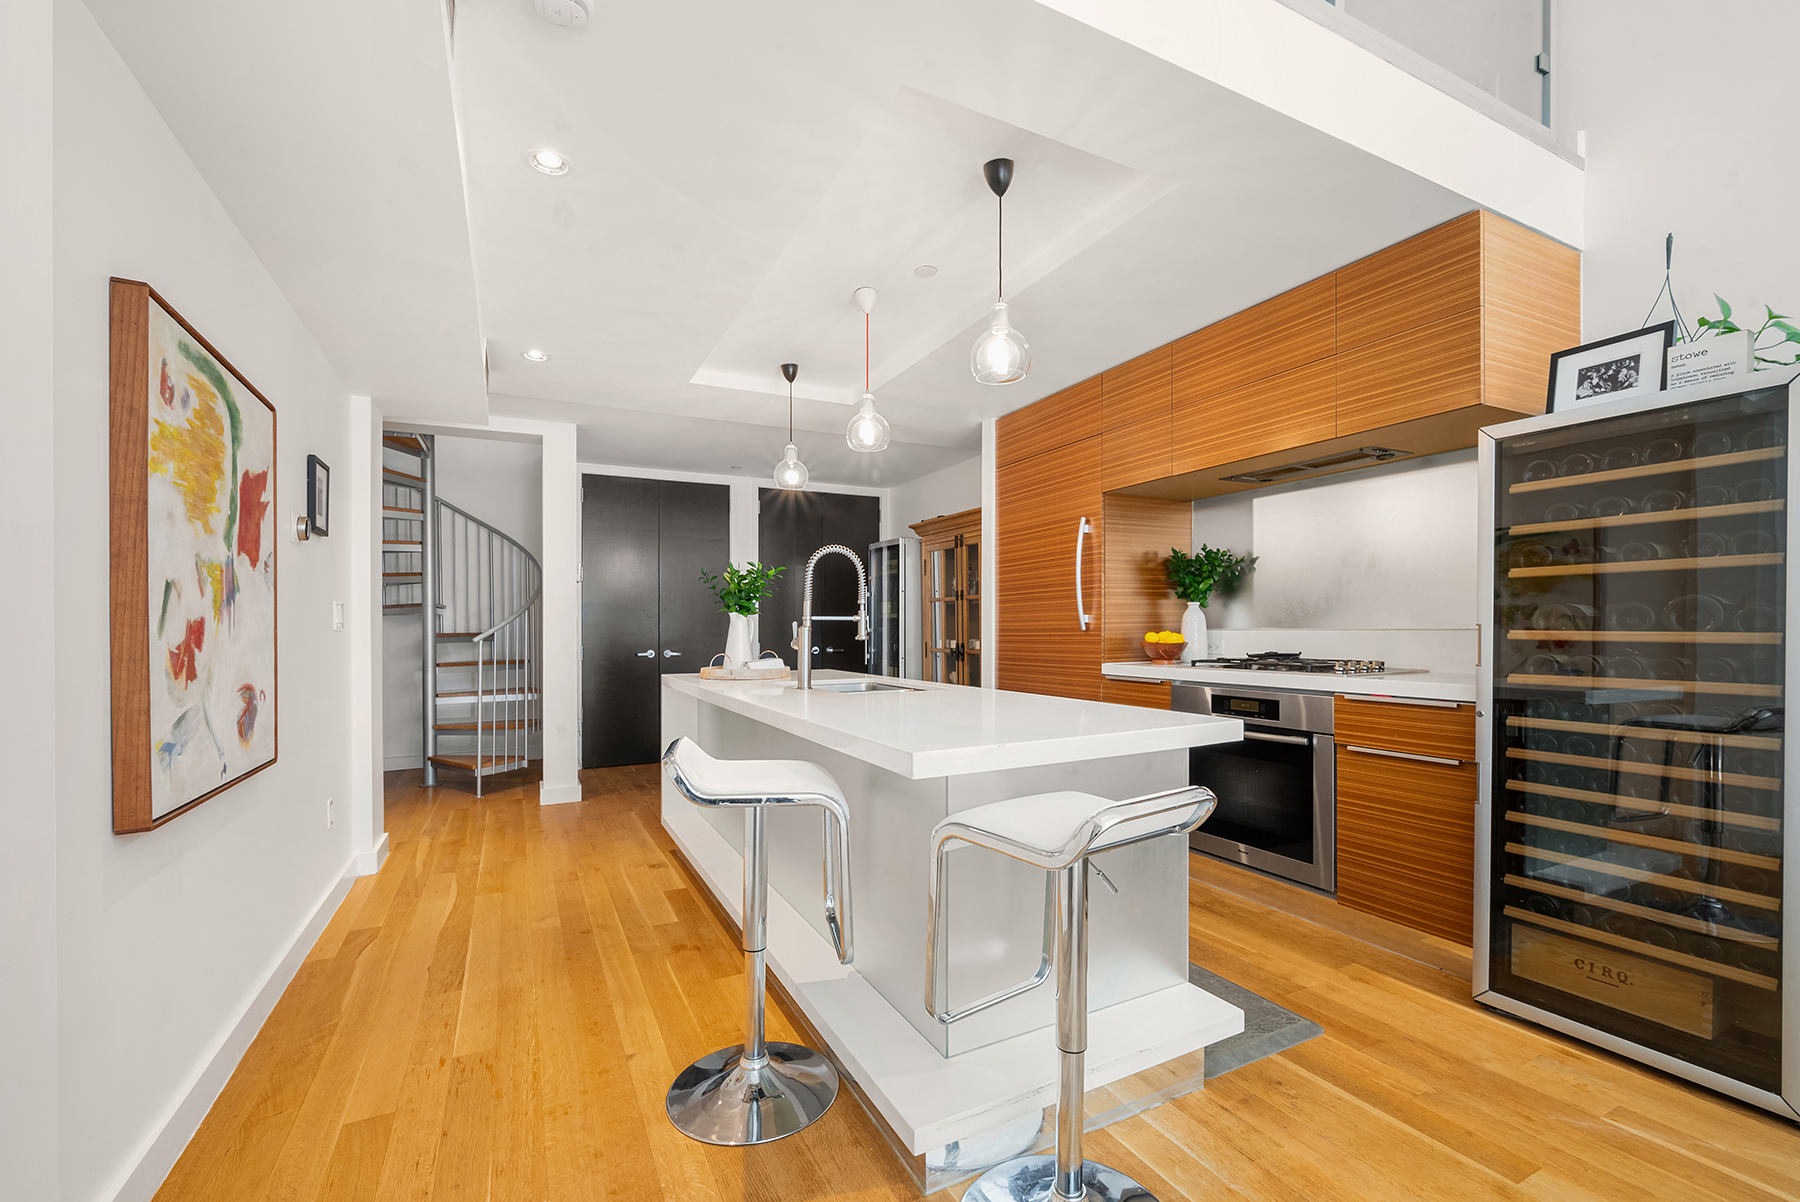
(1268, 1027)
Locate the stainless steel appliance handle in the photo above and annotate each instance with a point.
(1081, 533)
(650, 654)
(1300, 740)
(1405, 755)
(1448, 705)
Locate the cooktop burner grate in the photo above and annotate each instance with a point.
(1293, 661)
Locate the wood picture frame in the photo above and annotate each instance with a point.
(1596, 372)
(176, 426)
(318, 496)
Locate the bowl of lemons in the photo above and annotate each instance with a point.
(1164, 645)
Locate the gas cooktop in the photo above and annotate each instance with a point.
(1293, 661)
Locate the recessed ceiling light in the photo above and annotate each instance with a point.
(550, 162)
(924, 271)
(535, 355)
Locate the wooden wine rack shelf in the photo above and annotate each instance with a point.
(1760, 638)
(1738, 897)
(1768, 559)
(1672, 771)
(1729, 459)
(1755, 822)
(1679, 921)
(1727, 688)
(1761, 742)
(1741, 509)
(1641, 948)
(1652, 842)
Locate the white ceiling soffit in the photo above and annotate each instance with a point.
(1264, 50)
(642, 438)
(909, 195)
(326, 129)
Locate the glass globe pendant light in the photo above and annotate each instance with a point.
(1001, 355)
(790, 473)
(868, 430)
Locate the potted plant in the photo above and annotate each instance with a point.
(1195, 577)
(741, 592)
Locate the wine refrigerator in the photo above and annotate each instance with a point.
(1633, 824)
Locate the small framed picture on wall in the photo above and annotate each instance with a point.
(318, 496)
(1612, 369)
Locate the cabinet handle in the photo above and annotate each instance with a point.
(1445, 705)
(1404, 755)
(1081, 533)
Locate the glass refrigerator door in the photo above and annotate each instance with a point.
(1637, 808)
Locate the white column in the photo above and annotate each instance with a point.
(29, 1146)
(562, 612)
(368, 829)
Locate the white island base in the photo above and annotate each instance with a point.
(952, 1106)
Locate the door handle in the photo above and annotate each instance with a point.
(1298, 740)
(1081, 533)
(667, 654)
(650, 654)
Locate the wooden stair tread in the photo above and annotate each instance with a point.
(399, 509)
(488, 762)
(391, 471)
(419, 575)
(400, 542)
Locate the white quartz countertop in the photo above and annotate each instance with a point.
(1433, 686)
(950, 730)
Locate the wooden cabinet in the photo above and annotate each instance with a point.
(1139, 390)
(950, 592)
(1048, 570)
(1406, 793)
(1139, 533)
(1413, 283)
(1414, 374)
(1059, 419)
(1268, 415)
(1282, 333)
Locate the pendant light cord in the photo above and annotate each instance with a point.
(865, 352)
(790, 411)
(1000, 247)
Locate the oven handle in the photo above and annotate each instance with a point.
(1301, 740)
(1405, 755)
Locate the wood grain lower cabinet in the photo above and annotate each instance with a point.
(1406, 793)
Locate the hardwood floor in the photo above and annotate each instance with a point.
(497, 1014)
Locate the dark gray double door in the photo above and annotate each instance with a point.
(644, 611)
(790, 527)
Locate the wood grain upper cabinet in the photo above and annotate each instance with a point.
(1278, 335)
(1410, 284)
(1044, 566)
(1056, 421)
(1137, 390)
(1406, 792)
(1291, 409)
(1410, 375)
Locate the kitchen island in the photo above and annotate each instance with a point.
(906, 759)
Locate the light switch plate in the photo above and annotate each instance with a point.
(337, 615)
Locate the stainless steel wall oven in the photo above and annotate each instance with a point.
(1277, 789)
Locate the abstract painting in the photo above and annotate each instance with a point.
(193, 566)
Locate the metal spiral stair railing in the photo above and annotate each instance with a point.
(483, 706)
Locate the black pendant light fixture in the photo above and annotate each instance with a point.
(1001, 355)
(790, 473)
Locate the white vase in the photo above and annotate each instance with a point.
(740, 647)
(1193, 629)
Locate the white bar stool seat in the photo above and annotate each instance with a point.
(761, 1091)
(1057, 832)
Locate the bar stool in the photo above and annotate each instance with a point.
(761, 1091)
(1057, 832)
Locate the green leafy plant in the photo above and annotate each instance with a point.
(1194, 577)
(1778, 324)
(742, 590)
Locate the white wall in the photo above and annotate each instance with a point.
(499, 479)
(28, 607)
(165, 939)
(1381, 548)
(1682, 106)
(947, 490)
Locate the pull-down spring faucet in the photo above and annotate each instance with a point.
(803, 637)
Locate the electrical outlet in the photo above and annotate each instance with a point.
(337, 615)
(330, 812)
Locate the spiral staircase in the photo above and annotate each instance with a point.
(478, 594)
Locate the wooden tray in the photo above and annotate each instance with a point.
(748, 672)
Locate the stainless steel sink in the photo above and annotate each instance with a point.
(862, 686)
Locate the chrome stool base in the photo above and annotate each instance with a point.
(1030, 1179)
(717, 1101)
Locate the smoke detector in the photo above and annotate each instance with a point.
(571, 14)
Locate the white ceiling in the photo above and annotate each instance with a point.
(327, 130)
(739, 170)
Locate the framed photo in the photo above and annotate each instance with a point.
(192, 483)
(1609, 370)
(318, 496)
